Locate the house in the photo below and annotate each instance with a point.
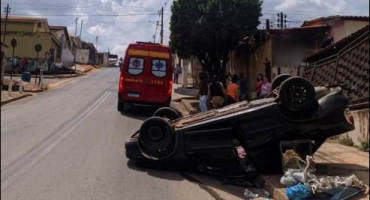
(278, 51)
(345, 62)
(340, 26)
(65, 50)
(28, 32)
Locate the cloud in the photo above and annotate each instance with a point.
(120, 22)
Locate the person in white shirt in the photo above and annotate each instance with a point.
(58, 66)
(265, 88)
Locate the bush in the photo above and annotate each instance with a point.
(364, 145)
(346, 140)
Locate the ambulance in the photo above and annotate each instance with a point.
(146, 75)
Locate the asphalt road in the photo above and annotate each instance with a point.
(68, 143)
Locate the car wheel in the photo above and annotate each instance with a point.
(121, 106)
(297, 94)
(167, 112)
(157, 139)
(278, 80)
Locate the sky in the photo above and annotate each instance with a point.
(113, 24)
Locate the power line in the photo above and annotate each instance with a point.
(102, 15)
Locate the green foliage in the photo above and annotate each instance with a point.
(346, 140)
(364, 145)
(211, 29)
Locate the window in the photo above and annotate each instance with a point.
(136, 66)
(159, 68)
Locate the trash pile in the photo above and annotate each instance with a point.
(302, 183)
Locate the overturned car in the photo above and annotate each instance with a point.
(295, 110)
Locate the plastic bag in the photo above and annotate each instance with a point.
(298, 192)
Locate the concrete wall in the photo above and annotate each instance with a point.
(361, 133)
(82, 56)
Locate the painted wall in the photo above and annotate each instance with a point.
(353, 26)
(26, 44)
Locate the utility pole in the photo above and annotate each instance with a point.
(162, 25)
(81, 30)
(282, 20)
(96, 40)
(7, 11)
(75, 45)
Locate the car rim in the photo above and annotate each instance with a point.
(155, 134)
(297, 94)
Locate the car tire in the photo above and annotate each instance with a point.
(297, 94)
(278, 80)
(157, 139)
(167, 112)
(121, 106)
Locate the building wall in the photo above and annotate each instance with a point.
(18, 26)
(26, 44)
(256, 63)
(353, 26)
(361, 132)
(337, 31)
(82, 56)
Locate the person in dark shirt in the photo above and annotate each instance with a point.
(203, 93)
(216, 93)
(242, 87)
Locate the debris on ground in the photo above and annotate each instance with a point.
(303, 183)
(249, 194)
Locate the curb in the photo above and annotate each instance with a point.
(188, 107)
(15, 99)
(184, 91)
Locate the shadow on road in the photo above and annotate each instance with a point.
(138, 112)
(162, 174)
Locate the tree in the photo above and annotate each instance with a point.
(211, 29)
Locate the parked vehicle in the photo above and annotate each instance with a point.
(146, 75)
(295, 110)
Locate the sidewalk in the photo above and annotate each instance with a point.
(30, 88)
(333, 159)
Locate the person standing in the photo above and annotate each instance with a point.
(216, 93)
(242, 87)
(176, 73)
(58, 67)
(232, 91)
(259, 83)
(265, 87)
(203, 93)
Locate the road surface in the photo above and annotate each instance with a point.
(68, 143)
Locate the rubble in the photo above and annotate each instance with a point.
(299, 178)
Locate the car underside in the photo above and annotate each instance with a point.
(209, 141)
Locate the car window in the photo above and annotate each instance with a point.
(159, 67)
(136, 66)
